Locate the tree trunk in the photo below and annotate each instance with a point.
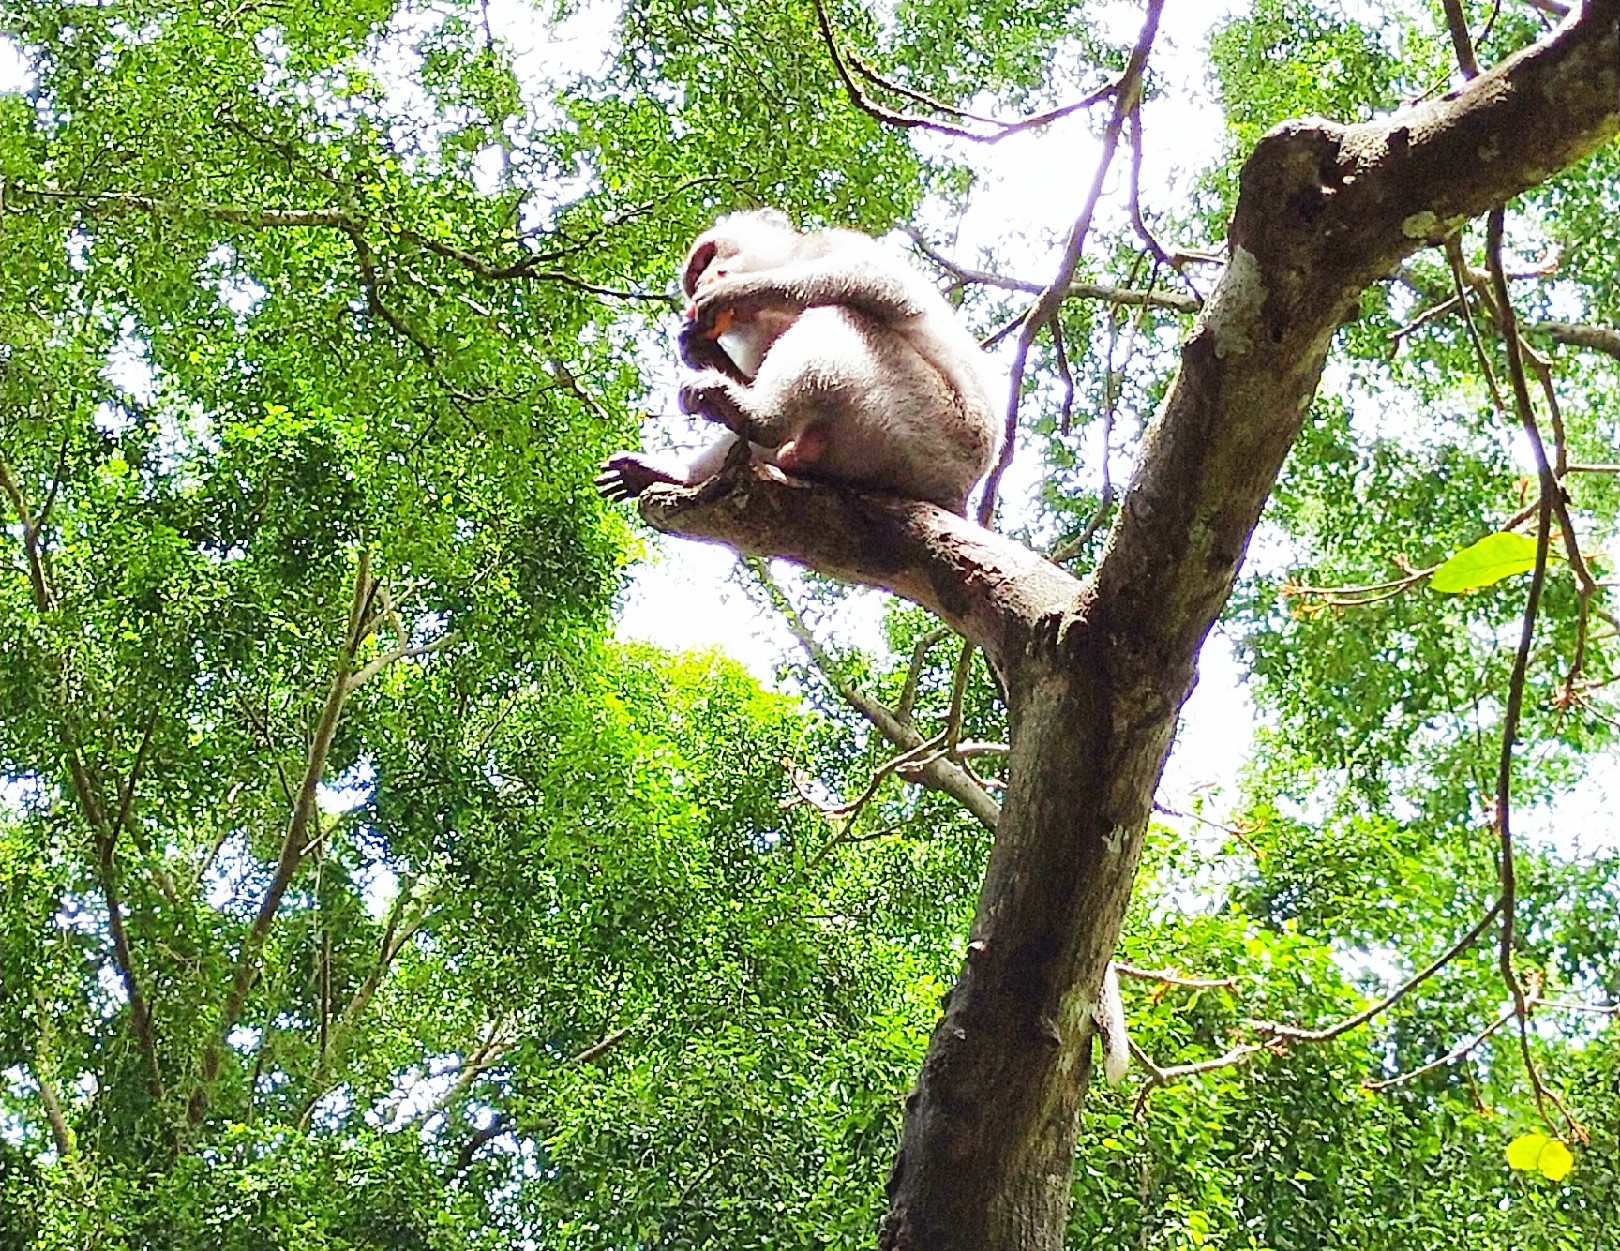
(1096, 672)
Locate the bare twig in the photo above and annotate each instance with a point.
(1050, 300)
(1550, 491)
(1169, 977)
(919, 657)
(1292, 1033)
(1354, 596)
(939, 774)
(528, 268)
(1276, 1038)
(848, 66)
(1174, 301)
(1446, 1061)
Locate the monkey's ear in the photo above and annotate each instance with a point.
(702, 257)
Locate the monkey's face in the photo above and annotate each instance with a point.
(739, 243)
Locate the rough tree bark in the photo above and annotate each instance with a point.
(1095, 672)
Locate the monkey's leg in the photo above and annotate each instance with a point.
(804, 454)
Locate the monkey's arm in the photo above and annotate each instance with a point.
(867, 285)
(718, 398)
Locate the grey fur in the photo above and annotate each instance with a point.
(839, 364)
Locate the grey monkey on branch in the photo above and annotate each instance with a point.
(833, 360)
(837, 363)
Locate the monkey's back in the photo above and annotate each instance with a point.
(893, 422)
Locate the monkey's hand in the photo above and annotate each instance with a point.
(715, 397)
(716, 305)
(626, 475)
(700, 351)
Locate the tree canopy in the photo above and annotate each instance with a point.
(360, 887)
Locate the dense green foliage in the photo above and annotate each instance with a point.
(359, 889)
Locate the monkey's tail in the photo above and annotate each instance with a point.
(1110, 1017)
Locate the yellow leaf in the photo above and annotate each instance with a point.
(1524, 1152)
(1555, 1161)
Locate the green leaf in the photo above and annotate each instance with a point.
(1494, 557)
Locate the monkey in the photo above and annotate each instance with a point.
(833, 361)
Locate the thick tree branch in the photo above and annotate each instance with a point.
(1595, 338)
(1096, 673)
(989, 589)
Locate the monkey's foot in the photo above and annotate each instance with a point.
(627, 474)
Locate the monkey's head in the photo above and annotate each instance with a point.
(739, 243)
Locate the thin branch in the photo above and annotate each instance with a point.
(1169, 977)
(1355, 596)
(1240, 1054)
(919, 657)
(1134, 196)
(1457, 24)
(1276, 1038)
(1550, 490)
(844, 62)
(1597, 1009)
(1050, 300)
(600, 1048)
(1461, 1051)
(502, 1123)
(103, 833)
(488, 1052)
(528, 268)
(1292, 1034)
(938, 774)
(44, 599)
(498, 1125)
(61, 1133)
(295, 839)
(397, 931)
(374, 667)
(1174, 301)
(1060, 356)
